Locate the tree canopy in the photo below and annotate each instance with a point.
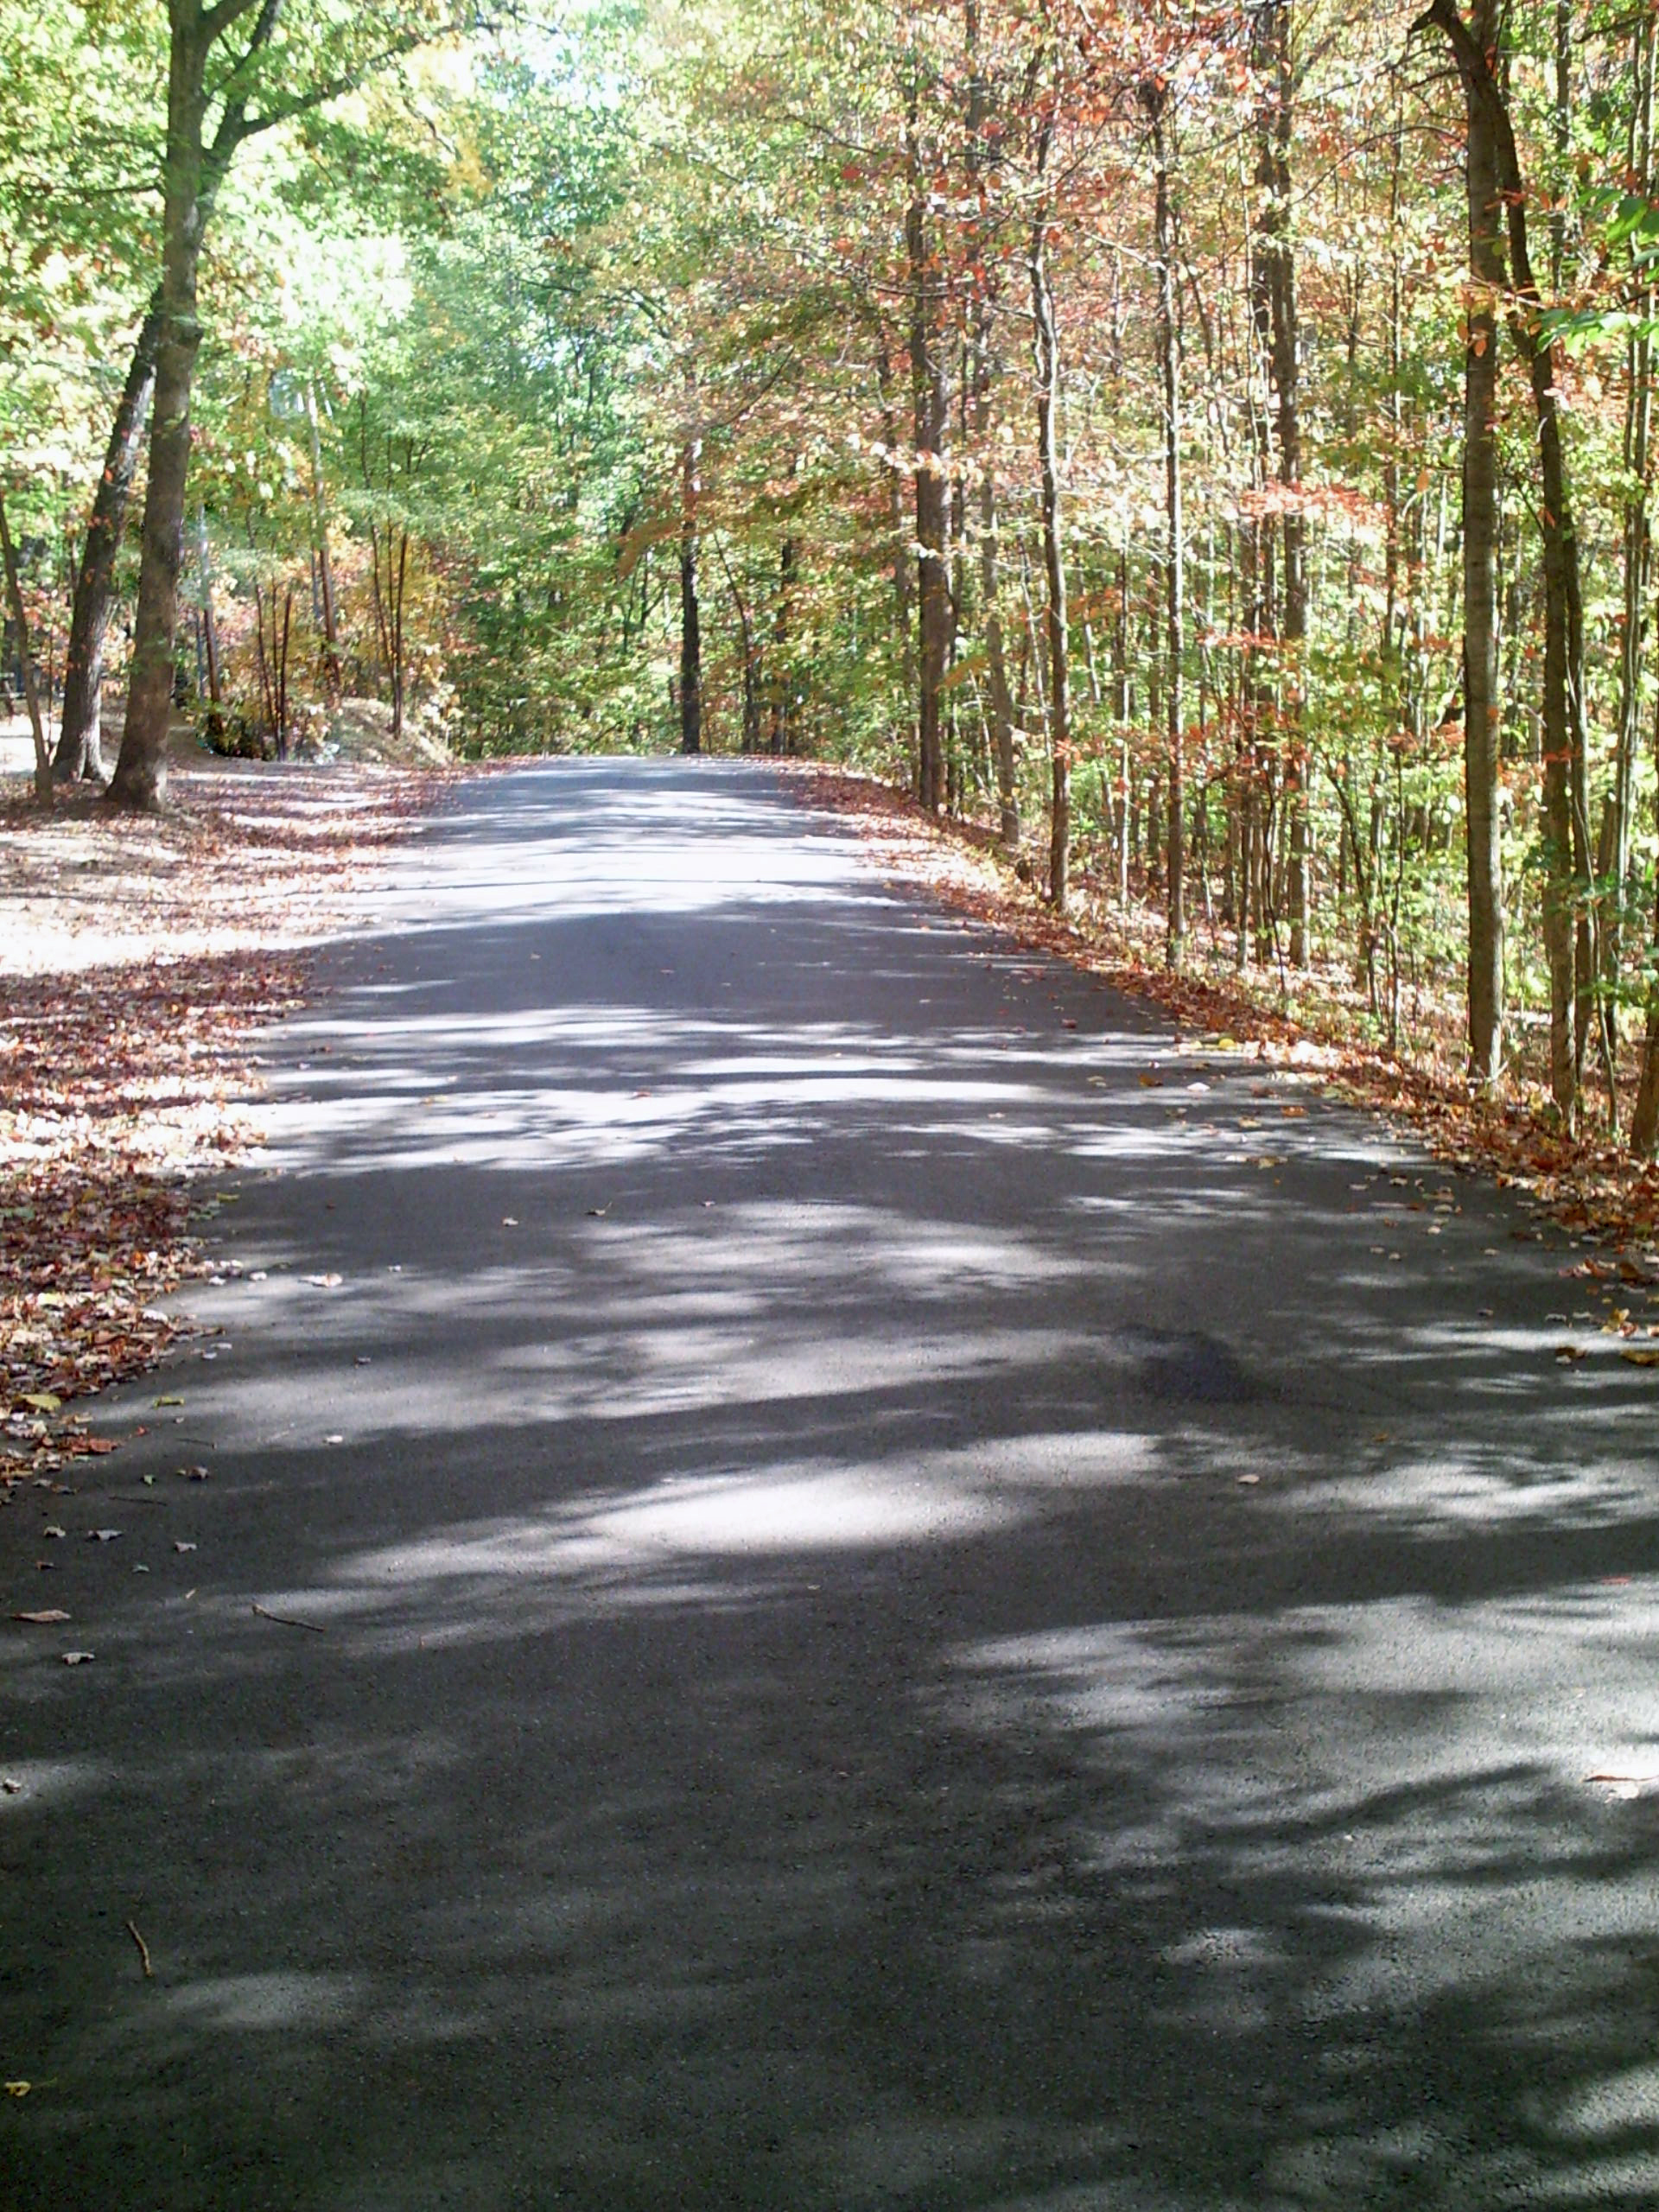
(1214, 445)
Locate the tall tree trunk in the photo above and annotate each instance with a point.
(1125, 707)
(399, 587)
(1154, 98)
(931, 404)
(985, 367)
(209, 625)
(1613, 851)
(1482, 697)
(140, 779)
(1567, 825)
(80, 735)
(781, 630)
(1279, 251)
(1000, 695)
(1048, 455)
(1566, 814)
(750, 650)
(1261, 621)
(903, 558)
(80, 740)
(691, 615)
(1591, 1010)
(331, 674)
(26, 660)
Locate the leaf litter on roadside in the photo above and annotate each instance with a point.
(1586, 1185)
(122, 1059)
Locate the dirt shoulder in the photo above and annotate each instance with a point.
(137, 958)
(1591, 1188)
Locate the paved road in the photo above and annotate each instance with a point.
(925, 1603)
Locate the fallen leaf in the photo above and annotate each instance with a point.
(169, 1401)
(102, 1535)
(18, 2089)
(79, 1658)
(48, 1619)
(509, 1221)
(180, 1547)
(1640, 1359)
(323, 1282)
(42, 1400)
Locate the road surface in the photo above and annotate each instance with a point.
(907, 1597)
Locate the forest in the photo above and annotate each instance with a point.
(1210, 447)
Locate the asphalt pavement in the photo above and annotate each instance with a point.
(819, 1569)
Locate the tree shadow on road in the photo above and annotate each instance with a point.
(908, 1619)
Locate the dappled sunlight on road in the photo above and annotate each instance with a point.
(1324, 1773)
(825, 1576)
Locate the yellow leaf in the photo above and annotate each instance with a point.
(42, 1400)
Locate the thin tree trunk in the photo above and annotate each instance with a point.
(331, 674)
(1154, 98)
(1048, 402)
(1613, 851)
(985, 371)
(210, 627)
(781, 630)
(399, 592)
(931, 399)
(903, 558)
(79, 752)
(691, 615)
(26, 659)
(279, 641)
(1279, 252)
